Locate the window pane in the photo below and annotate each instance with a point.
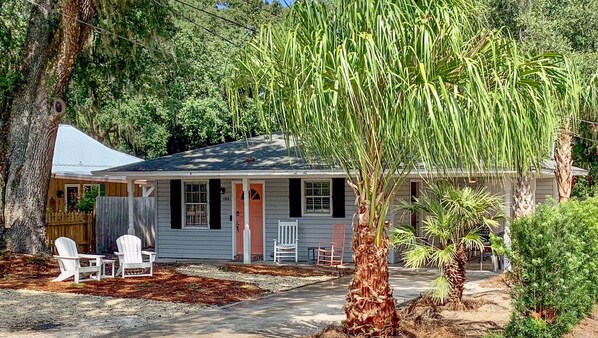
(204, 198)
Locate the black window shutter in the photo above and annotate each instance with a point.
(175, 204)
(294, 197)
(338, 198)
(215, 210)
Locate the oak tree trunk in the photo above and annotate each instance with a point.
(563, 156)
(370, 308)
(50, 52)
(523, 198)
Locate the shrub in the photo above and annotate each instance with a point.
(88, 200)
(555, 265)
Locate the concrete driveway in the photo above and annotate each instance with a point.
(293, 313)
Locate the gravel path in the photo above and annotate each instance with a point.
(36, 314)
(266, 282)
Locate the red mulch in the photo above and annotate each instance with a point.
(287, 271)
(36, 273)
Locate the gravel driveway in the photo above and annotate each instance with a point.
(28, 313)
(265, 282)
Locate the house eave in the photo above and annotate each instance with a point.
(295, 173)
(91, 177)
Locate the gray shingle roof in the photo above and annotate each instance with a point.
(262, 155)
(254, 154)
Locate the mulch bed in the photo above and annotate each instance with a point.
(36, 273)
(288, 271)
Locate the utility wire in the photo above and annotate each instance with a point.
(181, 15)
(99, 29)
(584, 138)
(216, 15)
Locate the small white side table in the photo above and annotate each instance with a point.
(112, 262)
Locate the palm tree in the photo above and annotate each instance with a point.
(377, 87)
(563, 152)
(453, 220)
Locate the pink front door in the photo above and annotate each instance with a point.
(256, 218)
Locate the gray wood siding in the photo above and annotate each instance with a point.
(193, 243)
(218, 244)
(312, 229)
(545, 187)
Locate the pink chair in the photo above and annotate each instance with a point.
(331, 253)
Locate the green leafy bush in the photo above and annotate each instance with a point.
(555, 265)
(88, 200)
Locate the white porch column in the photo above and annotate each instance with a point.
(246, 230)
(508, 201)
(130, 196)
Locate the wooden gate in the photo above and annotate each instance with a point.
(77, 226)
(112, 221)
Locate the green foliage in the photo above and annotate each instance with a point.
(568, 27)
(375, 86)
(153, 103)
(555, 265)
(453, 219)
(13, 29)
(87, 200)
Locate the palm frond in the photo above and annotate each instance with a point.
(416, 256)
(440, 289)
(404, 235)
(441, 257)
(473, 240)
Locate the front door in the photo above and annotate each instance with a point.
(256, 217)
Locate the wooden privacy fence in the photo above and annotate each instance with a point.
(78, 226)
(112, 221)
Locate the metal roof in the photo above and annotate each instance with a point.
(76, 154)
(257, 156)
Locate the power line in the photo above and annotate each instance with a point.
(216, 16)
(99, 29)
(195, 23)
(584, 138)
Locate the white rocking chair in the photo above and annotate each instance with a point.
(70, 262)
(286, 246)
(130, 257)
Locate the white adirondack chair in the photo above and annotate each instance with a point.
(286, 246)
(70, 262)
(130, 257)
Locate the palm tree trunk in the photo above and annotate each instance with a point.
(523, 204)
(563, 157)
(370, 308)
(456, 275)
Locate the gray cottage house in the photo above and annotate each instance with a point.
(201, 198)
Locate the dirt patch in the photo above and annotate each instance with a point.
(287, 271)
(480, 314)
(36, 273)
(503, 281)
(587, 328)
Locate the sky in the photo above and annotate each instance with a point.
(290, 2)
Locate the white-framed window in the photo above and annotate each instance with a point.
(317, 197)
(195, 205)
